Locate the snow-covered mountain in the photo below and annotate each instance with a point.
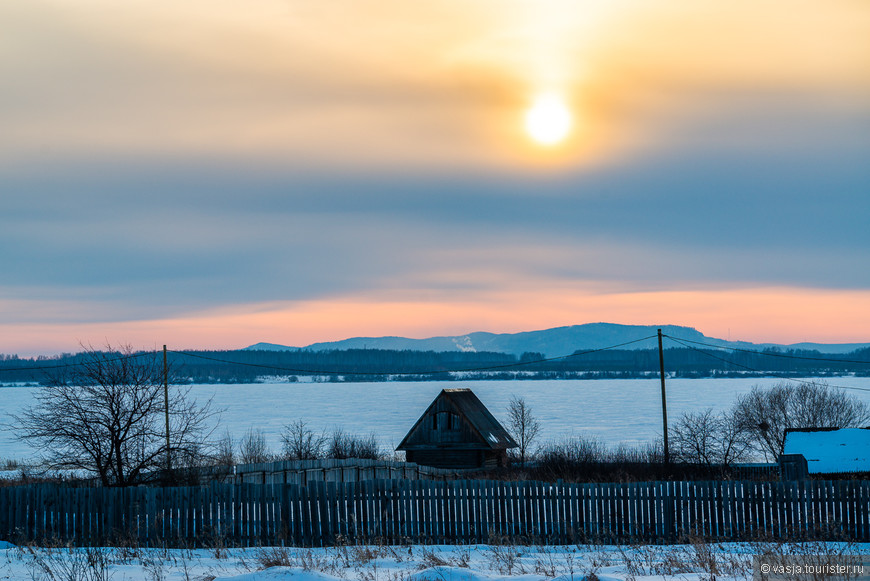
(554, 342)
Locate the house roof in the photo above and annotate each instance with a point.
(831, 451)
(489, 430)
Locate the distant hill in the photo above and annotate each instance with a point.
(552, 342)
(270, 347)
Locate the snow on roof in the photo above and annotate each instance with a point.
(843, 450)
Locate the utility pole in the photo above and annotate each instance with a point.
(166, 409)
(664, 400)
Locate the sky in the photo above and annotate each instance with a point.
(215, 174)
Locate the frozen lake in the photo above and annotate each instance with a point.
(611, 410)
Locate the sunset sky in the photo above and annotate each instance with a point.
(210, 174)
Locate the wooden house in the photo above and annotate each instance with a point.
(457, 431)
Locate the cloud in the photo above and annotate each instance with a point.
(167, 162)
(356, 84)
(164, 245)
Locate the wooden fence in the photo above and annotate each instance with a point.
(417, 511)
(304, 472)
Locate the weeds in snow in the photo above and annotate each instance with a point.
(505, 559)
(275, 557)
(695, 559)
(67, 564)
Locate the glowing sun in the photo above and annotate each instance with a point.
(548, 121)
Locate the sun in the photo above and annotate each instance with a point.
(548, 121)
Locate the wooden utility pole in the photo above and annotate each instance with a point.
(166, 409)
(664, 400)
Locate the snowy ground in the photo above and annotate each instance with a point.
(691, 562)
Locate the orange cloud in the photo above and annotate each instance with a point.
(361, 83)
(781, 315)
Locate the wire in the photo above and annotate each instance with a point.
(429, 372)
(681, 342)
(771, 353)
(729, 362)
(78, 364)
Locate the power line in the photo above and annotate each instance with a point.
(771, 353)
(681, 342)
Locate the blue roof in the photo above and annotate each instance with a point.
(831, 451)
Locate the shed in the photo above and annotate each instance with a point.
(457, 431)
(831, 451)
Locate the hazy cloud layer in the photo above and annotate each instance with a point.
(159, 160)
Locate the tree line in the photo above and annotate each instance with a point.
(115, 418)
(248, 366)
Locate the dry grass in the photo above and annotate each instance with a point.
(707, 561)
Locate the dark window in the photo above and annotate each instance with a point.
(435, 421)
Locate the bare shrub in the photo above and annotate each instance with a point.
(253, 448)
(342, 445)
(301, 442)
(562, 458)
(575, 450)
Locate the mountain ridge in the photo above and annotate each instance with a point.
(555, 341)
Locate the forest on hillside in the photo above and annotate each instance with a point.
(249, 366)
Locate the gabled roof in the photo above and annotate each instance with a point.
(831, 451)
(488, 429)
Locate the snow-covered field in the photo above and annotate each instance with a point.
(614, 411)
(691, 562)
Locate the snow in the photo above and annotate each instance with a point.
(464, 344)
(843, 450)
(505, 562)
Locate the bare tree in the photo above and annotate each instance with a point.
(253, 448)
(766, 414)
(523, 426)
(301, 443)
(105, 415)
(707, 438)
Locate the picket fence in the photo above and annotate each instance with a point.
(418, 511)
